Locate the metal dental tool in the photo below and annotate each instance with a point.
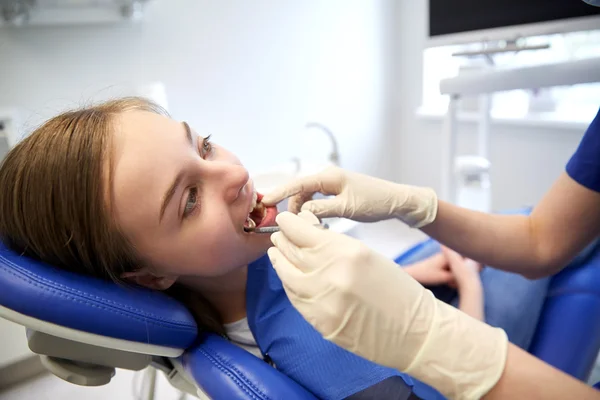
(273, 229)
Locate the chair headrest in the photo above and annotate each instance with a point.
(91, 305)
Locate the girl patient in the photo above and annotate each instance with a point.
(123, 192)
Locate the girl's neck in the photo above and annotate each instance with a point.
(227, 293)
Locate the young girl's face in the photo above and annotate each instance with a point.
(180, 199)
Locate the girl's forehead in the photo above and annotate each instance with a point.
(148, 152)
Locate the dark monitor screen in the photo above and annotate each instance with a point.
(456, 16)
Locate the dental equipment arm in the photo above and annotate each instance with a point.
(562, 224)
(363, 302)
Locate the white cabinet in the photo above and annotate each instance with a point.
(13, 343)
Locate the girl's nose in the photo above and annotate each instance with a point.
(228, 179)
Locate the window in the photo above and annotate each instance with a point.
(570, 102)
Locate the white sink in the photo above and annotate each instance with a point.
(266, 181)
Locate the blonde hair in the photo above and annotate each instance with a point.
(54, 205)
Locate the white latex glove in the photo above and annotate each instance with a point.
(358, 197)
(367, 304)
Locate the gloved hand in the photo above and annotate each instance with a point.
(358, 197)
(367, 304)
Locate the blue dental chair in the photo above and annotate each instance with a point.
(83, 328)
(568, 331)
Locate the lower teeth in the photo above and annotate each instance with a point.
(251, 223)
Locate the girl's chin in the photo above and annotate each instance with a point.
(262, 246)
(265, 246)
(261, 240)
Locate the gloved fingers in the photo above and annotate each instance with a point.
(290, 251)
(295, 203)
(300, 232)
(293, 279)
(309, 217)
(309, 184)
(300, 258)
(326, 208)
(327, 182)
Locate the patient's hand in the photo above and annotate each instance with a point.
(465, 271)
(432, 271)
(466, 275)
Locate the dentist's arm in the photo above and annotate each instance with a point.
(526, 377)
(562, 224)
(365, 303)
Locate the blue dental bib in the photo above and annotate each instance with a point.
(297, 349)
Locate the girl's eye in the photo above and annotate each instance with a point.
(192, 202)
(206, 146)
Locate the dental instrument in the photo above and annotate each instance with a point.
(273, 229)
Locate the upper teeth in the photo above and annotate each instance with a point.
(256, 206)
(254, 200)
(249, 221)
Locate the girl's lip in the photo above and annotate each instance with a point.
(270, 213)
(269, 217)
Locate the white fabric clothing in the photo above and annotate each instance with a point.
(240, 334)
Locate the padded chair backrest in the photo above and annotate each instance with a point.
(225, 371)
(34, 293)
(568, 333)
(46, 293)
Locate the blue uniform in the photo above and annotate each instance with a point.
(584, 165)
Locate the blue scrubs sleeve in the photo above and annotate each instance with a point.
(584, 165)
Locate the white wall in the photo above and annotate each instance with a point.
(525, 161)
(250, 72)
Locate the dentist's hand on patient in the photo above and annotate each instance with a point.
(533, 245)
(358, 197)
(365, 303)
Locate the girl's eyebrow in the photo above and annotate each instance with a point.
(177, 181)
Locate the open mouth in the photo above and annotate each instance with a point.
(260, 215)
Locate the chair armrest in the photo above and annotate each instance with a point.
(223, 370)
(568, 333)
